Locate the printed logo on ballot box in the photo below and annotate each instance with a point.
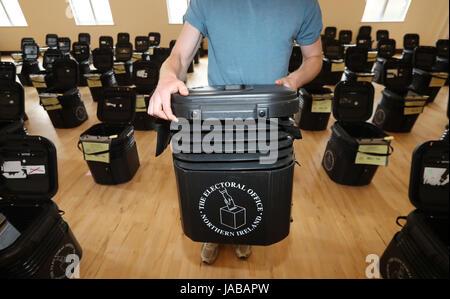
(231, 209)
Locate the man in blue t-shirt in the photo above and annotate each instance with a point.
(249, 42)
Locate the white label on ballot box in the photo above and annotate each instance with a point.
(15, 170)
(435, 176)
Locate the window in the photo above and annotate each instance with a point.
(91, 12)
(176, 10)
(11, 14)
(386, 10)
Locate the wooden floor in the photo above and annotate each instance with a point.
(133, 230)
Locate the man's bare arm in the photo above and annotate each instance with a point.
(310, 68)
(173, 72)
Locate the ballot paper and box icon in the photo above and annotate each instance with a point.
(231, 215)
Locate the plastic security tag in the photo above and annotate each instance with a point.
(142, 74)
(96, 151)
(119, 68)
(438, 80)
(38, 81)
(413, 110)
(93, 80)
(140, 103)
(367, 159)
(18, 69)
(337, 66)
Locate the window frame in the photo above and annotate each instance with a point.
(168, 13)
(382, 20)
(8, 17)
(94, 14)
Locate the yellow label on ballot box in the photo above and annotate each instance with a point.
(321, 106)
(365, 79)
(338, 67)
(49, 101)
(381, 149)
(119, 69)
(94, 82)
(17, 57)
(416, 97)
(92, 148)
(413, 110)
(410, 103)
(38, 81)
(367, 159)
(52, 107)
(372, 56)
(137, 56)
(437, 81)
(140, 104)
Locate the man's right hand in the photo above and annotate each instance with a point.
(172, 70)
(159, 105)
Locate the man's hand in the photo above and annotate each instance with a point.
(159, 105)
(288, 82)
(173, 71)
(310, 68)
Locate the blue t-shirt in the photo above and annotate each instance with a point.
(250, 41)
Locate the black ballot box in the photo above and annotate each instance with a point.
(63, 101)
(12, 101)
(109, 148)
(240, 193)
(420, 249)
(397, 112)
(356, 148)
(314, 108)
(37, 242)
